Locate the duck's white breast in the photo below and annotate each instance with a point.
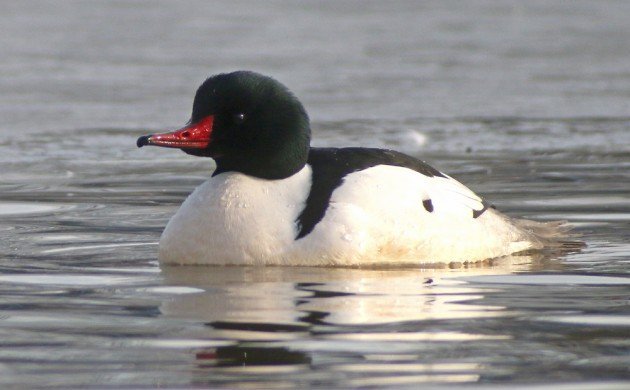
(236, 219)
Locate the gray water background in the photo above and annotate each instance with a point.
(526, 102)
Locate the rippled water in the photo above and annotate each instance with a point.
(84, 303)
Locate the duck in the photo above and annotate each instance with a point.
(273, 199)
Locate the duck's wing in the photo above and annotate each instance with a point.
(330, 166)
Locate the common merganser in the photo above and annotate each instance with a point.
(275, 200)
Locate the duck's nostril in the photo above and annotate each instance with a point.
(186, 134)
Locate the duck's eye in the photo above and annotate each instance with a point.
(239, 118)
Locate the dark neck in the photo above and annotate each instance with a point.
(264, 167)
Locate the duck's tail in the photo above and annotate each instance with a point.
(554, 236)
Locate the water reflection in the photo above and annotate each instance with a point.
(20, 208)
(296, 296)
(293, 319)
(357, 327)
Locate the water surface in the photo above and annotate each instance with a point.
(525, 103)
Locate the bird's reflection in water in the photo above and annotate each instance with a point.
(253, 306)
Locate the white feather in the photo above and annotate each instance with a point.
(375, 217)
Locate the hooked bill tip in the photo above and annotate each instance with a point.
(142, 141)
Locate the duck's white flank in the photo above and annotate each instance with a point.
(375, 217)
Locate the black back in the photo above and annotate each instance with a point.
(331, 165)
